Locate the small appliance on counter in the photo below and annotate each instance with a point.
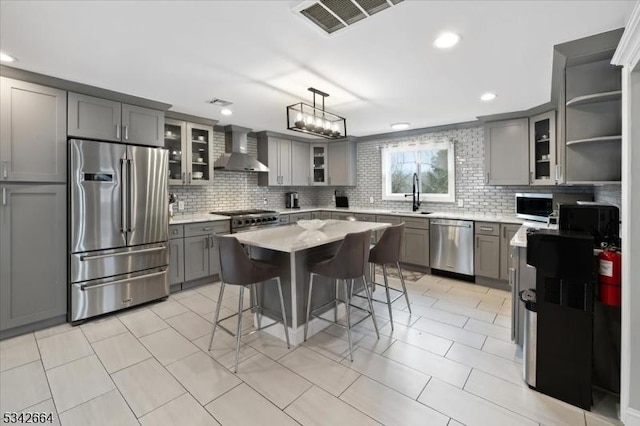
(341, 199)
(600, 220)
(291, 200)
(542, 207)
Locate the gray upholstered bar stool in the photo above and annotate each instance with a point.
(387, 252)
(348, 264)
(236, 268)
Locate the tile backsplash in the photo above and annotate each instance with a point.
(238, 190)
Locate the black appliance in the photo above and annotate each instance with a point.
(341, 199)
(249, 220)
(565, 290)
(601, 221)
(291, 200)
(540, 206)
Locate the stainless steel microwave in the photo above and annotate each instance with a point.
(540, 206)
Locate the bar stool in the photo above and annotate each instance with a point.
(237, 268)
(349, 263)
(387, 252)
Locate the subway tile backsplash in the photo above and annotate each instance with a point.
(237, 190)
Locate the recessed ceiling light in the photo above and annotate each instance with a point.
(488, 97)
(400, 126)
(226, 111)
(446, 40)
(6, 58)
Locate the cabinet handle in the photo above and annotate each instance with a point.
(487, 179)
(530, 177)
(5, 171)
(126, 132)
(211, 244)
(511, 276)
(504, 232)
(206, 242)
(4, 196)
(184, 177)
(477, 242)
(486, 228)
(189, 178)
(558, 172)
(207, 229)
(117, 131)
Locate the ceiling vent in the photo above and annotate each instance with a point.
(335, 15)
(219, 102)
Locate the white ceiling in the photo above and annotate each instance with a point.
(262, 57)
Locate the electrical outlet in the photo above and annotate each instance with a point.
(371, 200)
(460, 202)
(180, 206)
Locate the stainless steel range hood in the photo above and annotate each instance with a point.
(235, 158)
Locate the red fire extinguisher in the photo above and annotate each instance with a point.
(610, 276)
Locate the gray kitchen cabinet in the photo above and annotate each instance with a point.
(415, 249)
(284, 220)
(319, 159)
(506, 150)
(341, 163)
(33, 134)
(542, 149)
(364, 217)
(200, 249)
(275, 153)
(33, 248)
(487, 250)
(521, 277)
(214, 256)
(300, 165)
(196, 257)
(295, 217)
(321, 215)
(96, 118)
(342, 216)
(176, 261)
(190, 147)
(507, 231)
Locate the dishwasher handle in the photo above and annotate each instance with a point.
(452, 223)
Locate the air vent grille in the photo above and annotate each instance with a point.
(334, 15)
(219, 102)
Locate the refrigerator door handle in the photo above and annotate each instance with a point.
(129, 194)
(124, 253)
(123, 196)
(4, 196)
(85, 287)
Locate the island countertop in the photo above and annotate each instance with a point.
(294, 238)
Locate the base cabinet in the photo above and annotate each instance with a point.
(507, 232)
(176, 261)
(33, 250)
(487, 256)
(416, 247)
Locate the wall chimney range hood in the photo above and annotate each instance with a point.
(236, 159)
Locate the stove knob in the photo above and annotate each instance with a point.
(247, 222)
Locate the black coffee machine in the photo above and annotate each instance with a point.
(291, 200)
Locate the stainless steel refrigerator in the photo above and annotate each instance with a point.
(118, 226)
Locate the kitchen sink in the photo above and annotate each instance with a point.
(408, 212)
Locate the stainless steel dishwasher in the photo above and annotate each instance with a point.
(451, 245)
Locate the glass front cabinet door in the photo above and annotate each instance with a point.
(190, 152)
(542, 134)
(319, 164)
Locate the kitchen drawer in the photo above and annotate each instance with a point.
(176, 231)
(284, 219)
(394, 220)
(342, 216)
(206, 228)
(321, 215)
(365, 217)
(295, 217)
(415, 222)
(487, 228)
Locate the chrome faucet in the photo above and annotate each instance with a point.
(415, 193)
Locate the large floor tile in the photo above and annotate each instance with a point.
(597, 420)
(427, 341)
(103, 328)
(143, 322)
(501, 309)
(492, 364)
(18, 351)
(429, 363)
(200, 304)
(397, 376)
(23, 386)
(56, 329)
(317, 407)
(508, 350)
(524, 401)
(168, 308)
(268, 345)
(224, 349)
(47, 407)
(388, 406)
(212, 291)
(190, 325)
(120, 351)
(168, 346)
(319, 370)
(276, 383)
(183, 410)
(146, 386)
(105, 410)
(231, 409)
(203, 377)
(493, 330)
(467, 408)
(334, 346)
(470, 300)
(440, 315)
(465, 310)
(462, 289)
(64, 347)
(77, 382)
(451, 332)
(503, 320)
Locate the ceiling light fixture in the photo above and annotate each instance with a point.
(446, 40)
(400, 126)
(302, 117)
(486, 97)
(226, 111)
(6, 58)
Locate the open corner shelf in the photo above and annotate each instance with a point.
(595, 98)
(600, 139)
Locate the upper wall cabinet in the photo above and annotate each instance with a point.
(319, 160)
(96, 118)
(300, 165)
(276, 154)
(342, 163)
(190, 147)
(33, 136)
(506, 150)
(542, 140)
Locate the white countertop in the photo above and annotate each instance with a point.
(520, 238)
(294, 238)
(198, 217)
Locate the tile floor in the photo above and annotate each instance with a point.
(450, 362)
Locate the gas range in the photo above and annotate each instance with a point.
(249, 220)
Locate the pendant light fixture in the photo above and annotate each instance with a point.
(314, 120)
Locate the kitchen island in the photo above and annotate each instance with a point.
(293, 248)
